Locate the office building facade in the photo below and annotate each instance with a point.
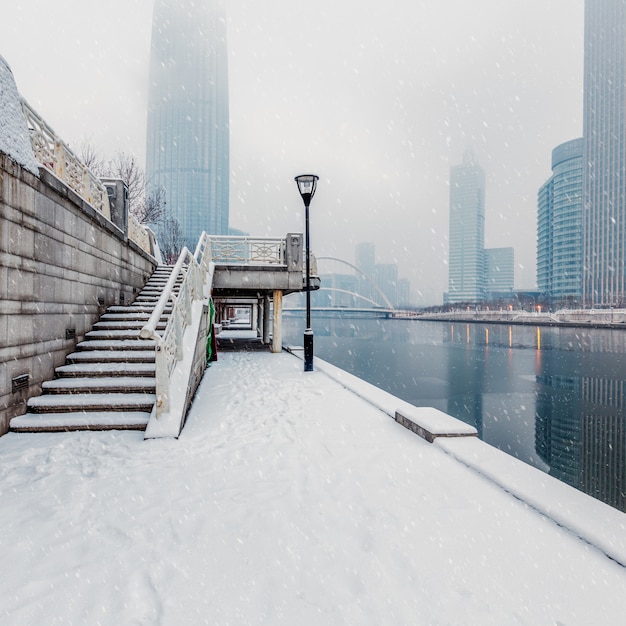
(187, 151)
(604, 154)
(560, 228)
(466, 269)
(499, 271)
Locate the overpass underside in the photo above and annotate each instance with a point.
(255, 275)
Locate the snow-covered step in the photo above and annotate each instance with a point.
(135, 316)
(94, 370)
(113, 384)
(117, 345)
(131, 316)
(112, 334)
(80, 420)
(107, 356)
(65, 403)
(123, 325)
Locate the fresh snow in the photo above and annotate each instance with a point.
(14, 137)
(288, 499)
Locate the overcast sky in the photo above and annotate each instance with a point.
(378, 98)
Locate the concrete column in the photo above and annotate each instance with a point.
(277, 342)
(266, 319)
(254, 318)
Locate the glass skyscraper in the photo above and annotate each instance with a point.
(604, 157)
(466, 269)
(560, 228)
(188, 134)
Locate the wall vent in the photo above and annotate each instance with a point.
(20, 382)
(70, 333)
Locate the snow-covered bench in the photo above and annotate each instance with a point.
(430, 423)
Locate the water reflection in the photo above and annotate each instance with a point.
(553, 397)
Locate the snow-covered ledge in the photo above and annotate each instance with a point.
(14, 136)
(591, 520)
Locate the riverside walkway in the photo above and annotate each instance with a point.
(294, 498)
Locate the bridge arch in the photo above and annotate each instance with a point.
(363, 275)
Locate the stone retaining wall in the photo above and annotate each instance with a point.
(61, 265)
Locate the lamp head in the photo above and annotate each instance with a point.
(307, 184)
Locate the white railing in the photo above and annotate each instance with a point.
(55, 155)
(169, 346)
(138, 233)
(247, 250)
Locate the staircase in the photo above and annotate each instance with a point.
(109, 382)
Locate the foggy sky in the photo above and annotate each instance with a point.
(377, 98)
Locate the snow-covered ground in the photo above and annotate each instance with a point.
(286, 500)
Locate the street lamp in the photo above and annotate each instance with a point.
(307, 184)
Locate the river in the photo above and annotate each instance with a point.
(552, 397)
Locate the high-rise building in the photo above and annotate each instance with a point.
(466, 269)
(499, 271)
(386, 275)
(604, 154)
(188, 135)
(366, 262)
(560, 228)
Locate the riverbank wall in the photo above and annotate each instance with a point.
(583, 318)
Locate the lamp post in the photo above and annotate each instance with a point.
(307, 184)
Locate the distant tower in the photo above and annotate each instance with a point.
(366, 262)
(188, 136)
(466, 270)
(560, 229)
(604, 158)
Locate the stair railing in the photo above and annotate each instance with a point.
(169, 346)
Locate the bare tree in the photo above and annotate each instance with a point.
(126, 167)
(171, 240)
(92, 159)
(152, 210)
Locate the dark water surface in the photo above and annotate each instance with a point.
(552, 397)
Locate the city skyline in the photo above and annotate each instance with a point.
(187, 149)
(378, 102)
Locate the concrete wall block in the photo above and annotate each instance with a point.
(44, 289)
(21, 240)
(20, 284)
(20, 330)
(44, 248)
(24, 199)
(45, 209)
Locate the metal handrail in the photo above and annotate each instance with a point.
(169, 346)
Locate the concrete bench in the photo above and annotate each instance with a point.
(430, 423)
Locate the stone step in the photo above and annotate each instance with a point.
(80, 420)
(112, 356)
(123, 325)
(117, 345)
(138, 315)
(94, 370)
(93, 385)
(112, 334)
(90, 402)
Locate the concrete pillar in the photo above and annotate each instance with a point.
(277, 341)
(254, 318)
(266, 319)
